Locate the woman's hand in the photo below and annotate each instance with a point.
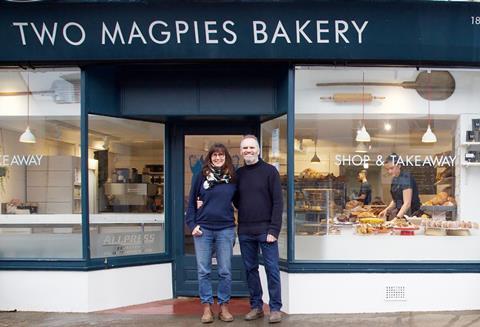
(271, 238)
(196, 231)
(199, 203)
(382, 213)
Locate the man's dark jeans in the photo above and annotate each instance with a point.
(249, 246)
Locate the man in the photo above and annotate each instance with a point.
(365, 192)
(404, 191)
(259, 202)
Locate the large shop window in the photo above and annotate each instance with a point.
(40, 184)
(127, 187)
(347, 123)
(274, 151)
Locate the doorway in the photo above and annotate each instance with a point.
(190, 149)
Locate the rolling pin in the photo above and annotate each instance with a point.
(352, 97)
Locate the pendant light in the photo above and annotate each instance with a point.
(315, 158)
(362, 134)
(27, 136)
(429, 136)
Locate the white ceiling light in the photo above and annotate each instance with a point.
(362, 134)
(429, 136)
(27, 136)
(387, 126)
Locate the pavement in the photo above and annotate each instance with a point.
(186, 312)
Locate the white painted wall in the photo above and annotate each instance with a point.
(362, 293)
(397, 100)
(64, 291)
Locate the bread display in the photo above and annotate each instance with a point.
(441, 199)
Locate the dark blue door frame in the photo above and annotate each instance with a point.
(183, 265)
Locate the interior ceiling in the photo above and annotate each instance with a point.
(57, 85)
(402, 132)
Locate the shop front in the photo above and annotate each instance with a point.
(106, 119)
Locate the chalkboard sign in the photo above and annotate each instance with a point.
(425, 178)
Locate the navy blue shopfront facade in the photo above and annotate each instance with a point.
(196, 66)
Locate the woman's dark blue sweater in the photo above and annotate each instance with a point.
(217, 211)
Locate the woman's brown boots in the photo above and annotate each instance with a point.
(224, 314)
(207, 316)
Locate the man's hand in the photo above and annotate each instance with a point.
(199, 203)
(271, 238)
(196, 231)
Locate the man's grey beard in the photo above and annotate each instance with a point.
(251, 161)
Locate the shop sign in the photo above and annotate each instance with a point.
(406, 160)
(380, 30)
(20, 160)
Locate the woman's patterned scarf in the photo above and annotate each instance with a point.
(215, 176)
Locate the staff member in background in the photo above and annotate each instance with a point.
(212, 224)
(365, 192)
(404, 191)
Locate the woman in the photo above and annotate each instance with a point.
(213, 225)
(404, 191)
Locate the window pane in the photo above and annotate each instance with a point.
(343, 185)
(40, 184)
(127, 157)
(274, 151)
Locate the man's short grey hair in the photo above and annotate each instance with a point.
(250, 136)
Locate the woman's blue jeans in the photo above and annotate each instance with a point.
(222, 240)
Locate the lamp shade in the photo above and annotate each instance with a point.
(315, 158)
(429, 136)
(27, 136)
(362, 135)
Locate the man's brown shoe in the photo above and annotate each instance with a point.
(254, 314)
(224, 314)
(275, 316)
(207, 316)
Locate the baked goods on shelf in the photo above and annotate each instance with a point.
(353, 204)
(364, 229)
(310, 173)
(441, 199)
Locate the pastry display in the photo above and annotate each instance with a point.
(353, 204)
(364, 229)
(372, 220)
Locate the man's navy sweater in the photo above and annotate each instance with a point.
(259, 199)
(216, 213)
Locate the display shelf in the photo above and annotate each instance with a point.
(471, 164)
(470, 143)
(439, 208)
(445, 181)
